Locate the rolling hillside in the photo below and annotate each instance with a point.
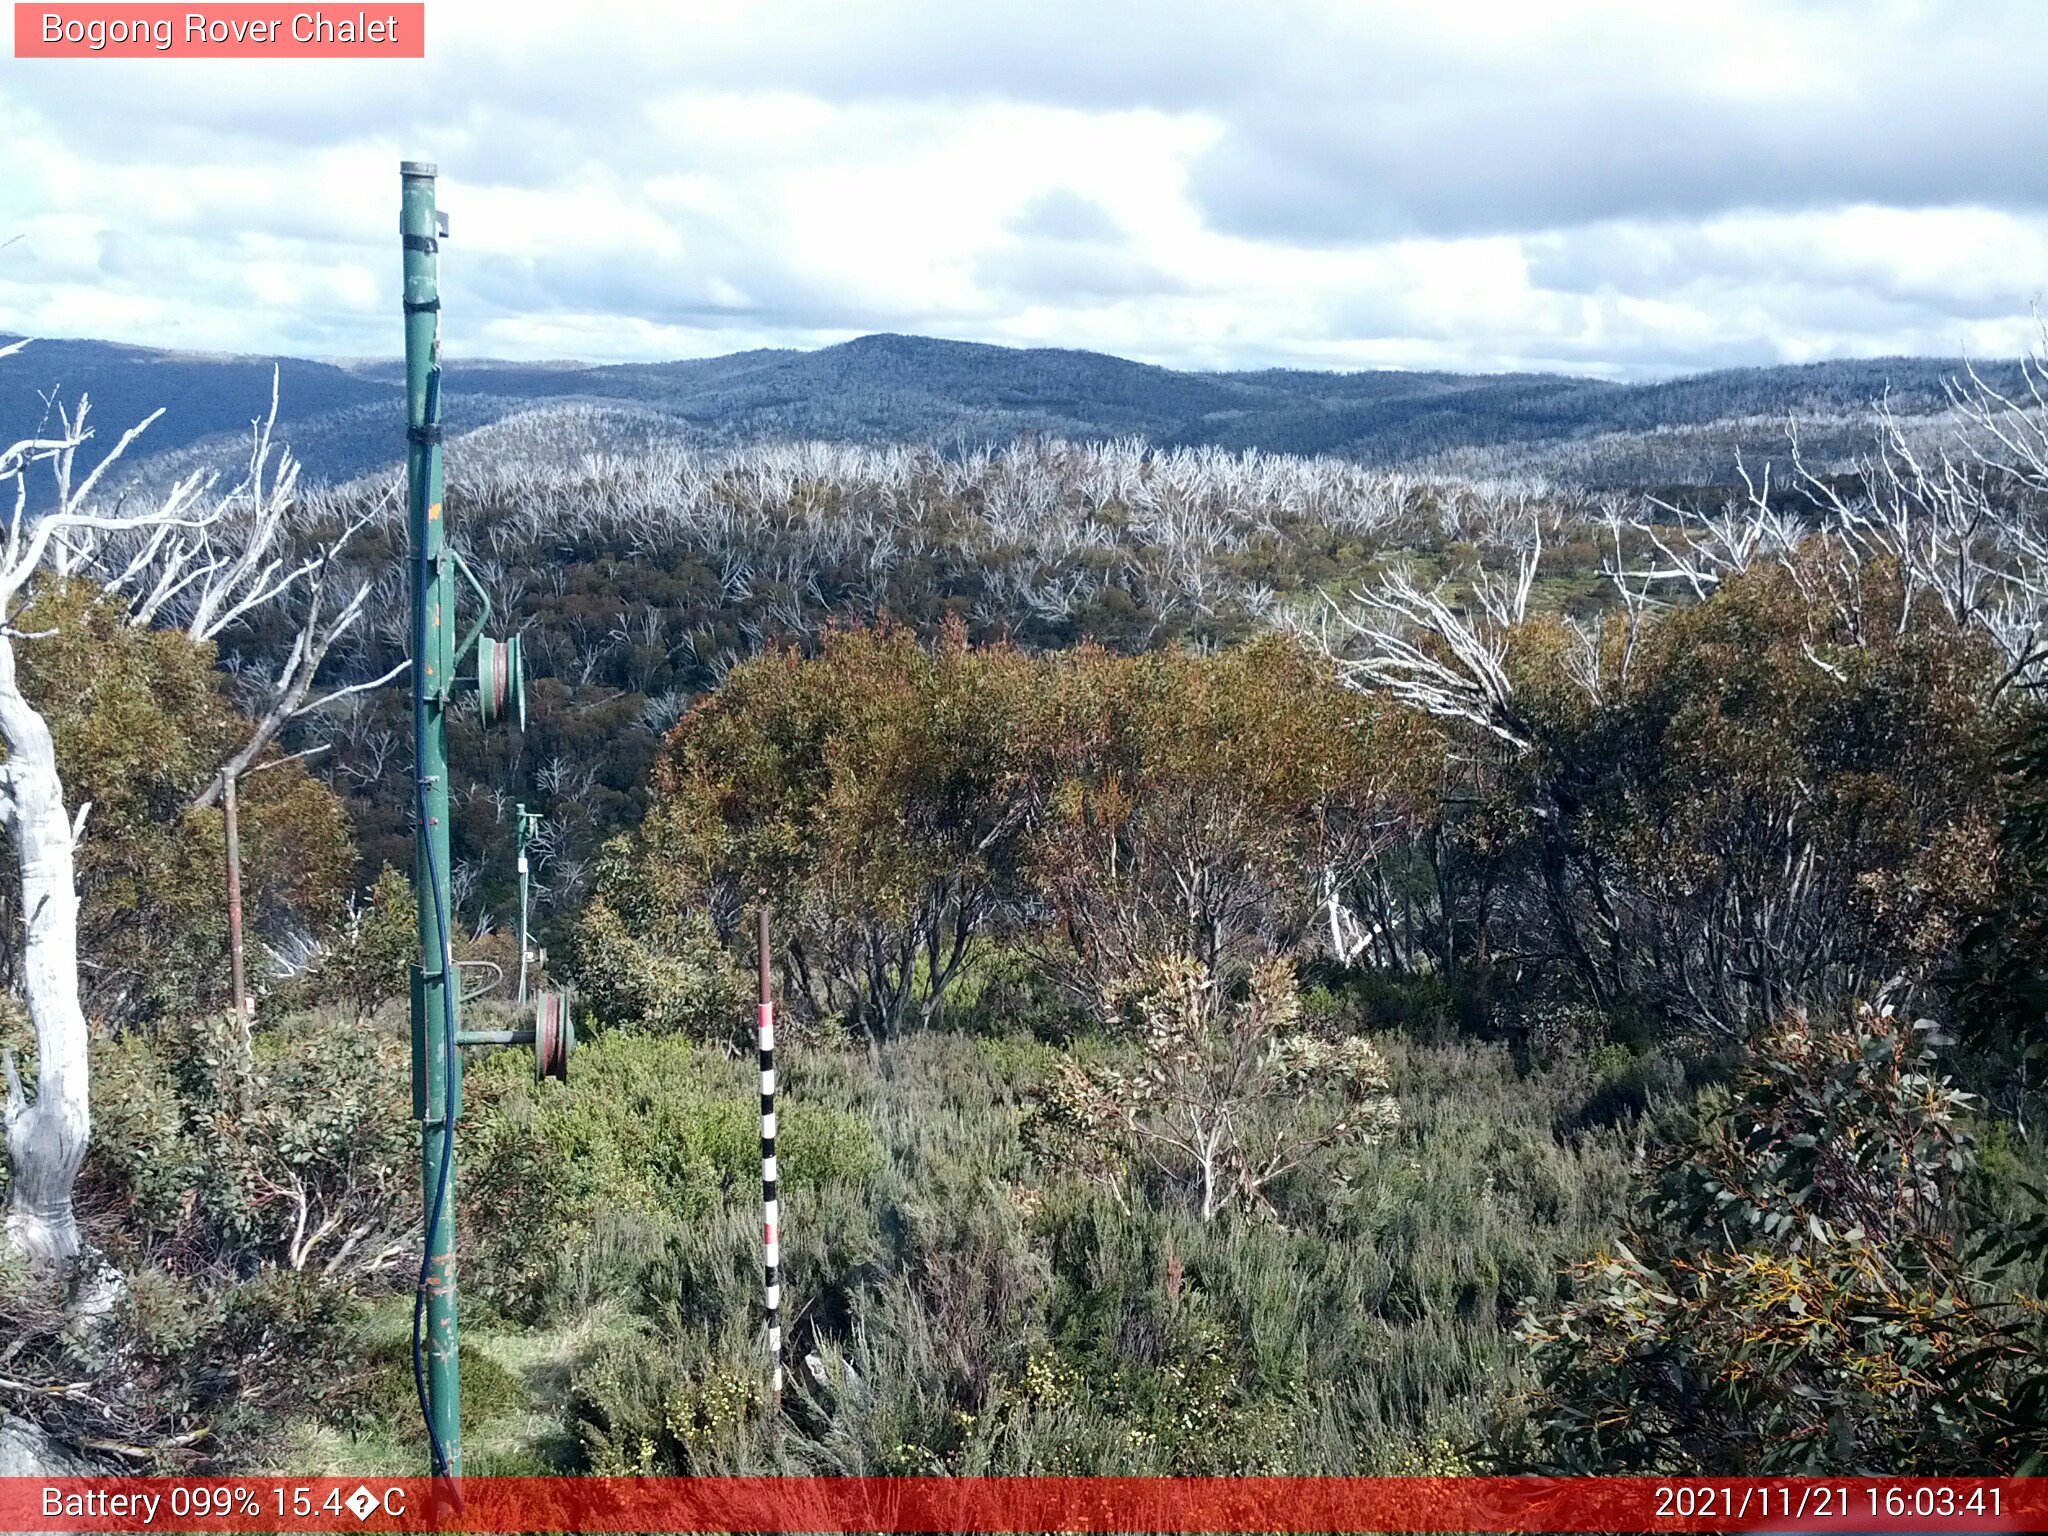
(341, 418)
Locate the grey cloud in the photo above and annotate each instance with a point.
(1057, 272)
(1064, 215)
(1064, 247)
(1600, 143)
(1673, 259)
(1402, 135)
(1328, 180)
(583, 89)
(1340, 121)
(727, 276)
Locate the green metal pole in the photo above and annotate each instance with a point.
(437, 1065)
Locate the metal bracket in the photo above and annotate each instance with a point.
(494, 1037)
(425, 1033)
(469, 640)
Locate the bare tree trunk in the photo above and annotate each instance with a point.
(46, 1138)
(1206, 1146)
(230, 815)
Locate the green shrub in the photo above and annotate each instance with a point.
(370, 961)
(668, 977)
(238, 1198)
(575, 1188)
(290, 1342)
(293, 1149)
(1625, 1086)
(185, 1372)
(695, 1406)
(1431, 1008)
(391, 1393)
(1227, 1096)
(1005, 991)
(965, 1314)
(144, 1152)
(1797, 1299)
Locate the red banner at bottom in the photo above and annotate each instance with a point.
(1019, 1504)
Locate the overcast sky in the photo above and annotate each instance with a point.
(1623, 189)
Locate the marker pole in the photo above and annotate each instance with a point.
(771, 1223)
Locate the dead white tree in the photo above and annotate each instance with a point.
(1954, 503)
(1945, 518)
(1439, 653)
(1961, 517)
(47, 1134)
(259, 552)
(1444, 657)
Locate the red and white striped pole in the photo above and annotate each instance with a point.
(771, 1222)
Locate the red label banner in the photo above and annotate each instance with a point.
(227, 31)
(1018, 1504)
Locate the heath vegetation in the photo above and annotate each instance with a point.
(1287, 967)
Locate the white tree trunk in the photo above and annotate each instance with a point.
(46, 1137)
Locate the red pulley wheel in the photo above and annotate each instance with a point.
(554, 1036)
(501, 680)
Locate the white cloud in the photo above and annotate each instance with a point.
(1602, 187)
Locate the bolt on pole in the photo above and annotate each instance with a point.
(437, 1065)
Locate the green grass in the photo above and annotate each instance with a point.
(515, 1388)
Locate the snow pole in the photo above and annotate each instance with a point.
(771, 1224)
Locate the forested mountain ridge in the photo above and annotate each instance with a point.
(892, 388)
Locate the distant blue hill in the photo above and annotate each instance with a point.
(345, 420)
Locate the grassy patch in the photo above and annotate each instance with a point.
(515, 1394)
